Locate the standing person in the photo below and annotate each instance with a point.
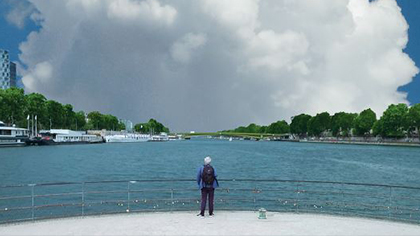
(207, 182)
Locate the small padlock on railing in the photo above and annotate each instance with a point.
(262, 213)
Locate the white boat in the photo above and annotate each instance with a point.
(127, 138)
(162, 137)
(175, 137)
(65, 136)
(12, 136)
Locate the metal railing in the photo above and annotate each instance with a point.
(67, 199)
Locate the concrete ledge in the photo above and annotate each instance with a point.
(224, 223)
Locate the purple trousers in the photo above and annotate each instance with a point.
(204, 193)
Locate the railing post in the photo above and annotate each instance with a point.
(255, 196)
(128, 196)
(297, 197)
(172, 198)
(342, 198)
(33, 201)
(83, 198)
(390, 203)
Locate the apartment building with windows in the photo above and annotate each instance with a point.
(7, 71)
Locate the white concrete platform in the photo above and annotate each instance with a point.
(224, 223)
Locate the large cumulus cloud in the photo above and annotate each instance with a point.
(216, 64)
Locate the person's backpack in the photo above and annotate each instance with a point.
(208, 175)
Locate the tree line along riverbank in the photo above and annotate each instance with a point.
(398, 122)
(16, 108)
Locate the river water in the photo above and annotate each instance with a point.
(232, 160)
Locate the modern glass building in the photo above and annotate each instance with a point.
(128, 125)
(7, 71)
(12, 74)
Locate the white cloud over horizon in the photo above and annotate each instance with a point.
(147, 10)
(213, 65)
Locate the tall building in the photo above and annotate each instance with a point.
(12, 74)
(7, 71)
(128, 125)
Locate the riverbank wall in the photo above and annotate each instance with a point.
(410, 142)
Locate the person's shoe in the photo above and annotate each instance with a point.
(211, 216)
(200, 215)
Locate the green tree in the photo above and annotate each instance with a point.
(319, 123)
(80, 120)
(263, 129)
(121, 126)
(279, 127)
(142, 128)
(157, 127)
(253, 128)
(69, 117)
(110, 122)
(55, 114)
(364, 122)
(299, 125)
(15, 106)
(36, 105)
(12, 106)
(394, 120)
(378, 128)
(152, 126)
(342, 123)
(335, 123)
(95, 120)
(314, 128)
(240, 129)
(413, 118)
(98, 121)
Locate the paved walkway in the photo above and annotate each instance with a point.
(224, 223)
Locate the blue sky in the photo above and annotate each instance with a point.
(11, 36)
(411, 9)
(186, 59)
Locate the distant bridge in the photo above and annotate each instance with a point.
(256, 136)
